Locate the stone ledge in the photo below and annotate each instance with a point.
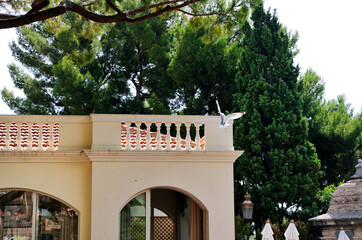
(332, 219)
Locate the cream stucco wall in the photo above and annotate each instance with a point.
(92, 173)
(117, 181)
(69, 182)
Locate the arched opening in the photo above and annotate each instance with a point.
(30, 215)
(162, 214)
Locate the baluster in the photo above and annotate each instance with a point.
(148, 139)
(197, 138)
(3, 136)
(28, 138)
(178, 137)
(18, 138)
(138, 136)
(13, 133)
(168, 136)
(158, 147)
(35, 132)
(56, 136)
(128, 137)
(40, 147)
(24, 136)
(45, 136)
(7, 137)
(188, 137)
(51, 136)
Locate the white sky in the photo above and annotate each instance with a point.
(330, 42)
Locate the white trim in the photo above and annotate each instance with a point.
(148, 214)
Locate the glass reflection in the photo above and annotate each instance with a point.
(16, 211)
(133, 219)
(20, 209)
(56, 220)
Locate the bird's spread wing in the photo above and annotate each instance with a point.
(233, 116)
(218, 106)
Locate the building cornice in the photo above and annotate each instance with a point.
(42, 156)
(162, 156)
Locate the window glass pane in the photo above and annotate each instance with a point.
(16, 210)
(56, 221)
(133, 219)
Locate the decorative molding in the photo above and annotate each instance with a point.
(162, 156)
(42, 156)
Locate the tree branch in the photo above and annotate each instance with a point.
(202, 14)
(142, 9)
(168, 8)
(10, 21)
(114, 7)
(38, 5)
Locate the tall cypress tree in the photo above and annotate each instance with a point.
(279, 167)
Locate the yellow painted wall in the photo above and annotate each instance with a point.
(68, 182)
(91, 174)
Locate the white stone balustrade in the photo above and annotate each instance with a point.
(114, 132)
(29, 136)
(160, 133)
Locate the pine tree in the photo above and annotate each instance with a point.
(203, 70)
(80, 69)
(279, 167)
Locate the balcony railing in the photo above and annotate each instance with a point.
(25, 136)
(113, 132)
(141, 136)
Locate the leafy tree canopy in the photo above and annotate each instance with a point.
(75, 71)
(203, 70)
(333, 128)
(336, 133)
(107, 11)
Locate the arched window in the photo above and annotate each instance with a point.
(159, 214)
(29, 215)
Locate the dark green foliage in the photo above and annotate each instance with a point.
(279, 167)
(320, 204)
(336, 133)
(333, 128)
(312, 93)
(203, 70)
(242, 227)
(72, 72)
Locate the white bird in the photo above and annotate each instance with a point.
(227, 120)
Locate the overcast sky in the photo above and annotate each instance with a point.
(330, 42)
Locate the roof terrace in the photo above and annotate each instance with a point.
(114, 132)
